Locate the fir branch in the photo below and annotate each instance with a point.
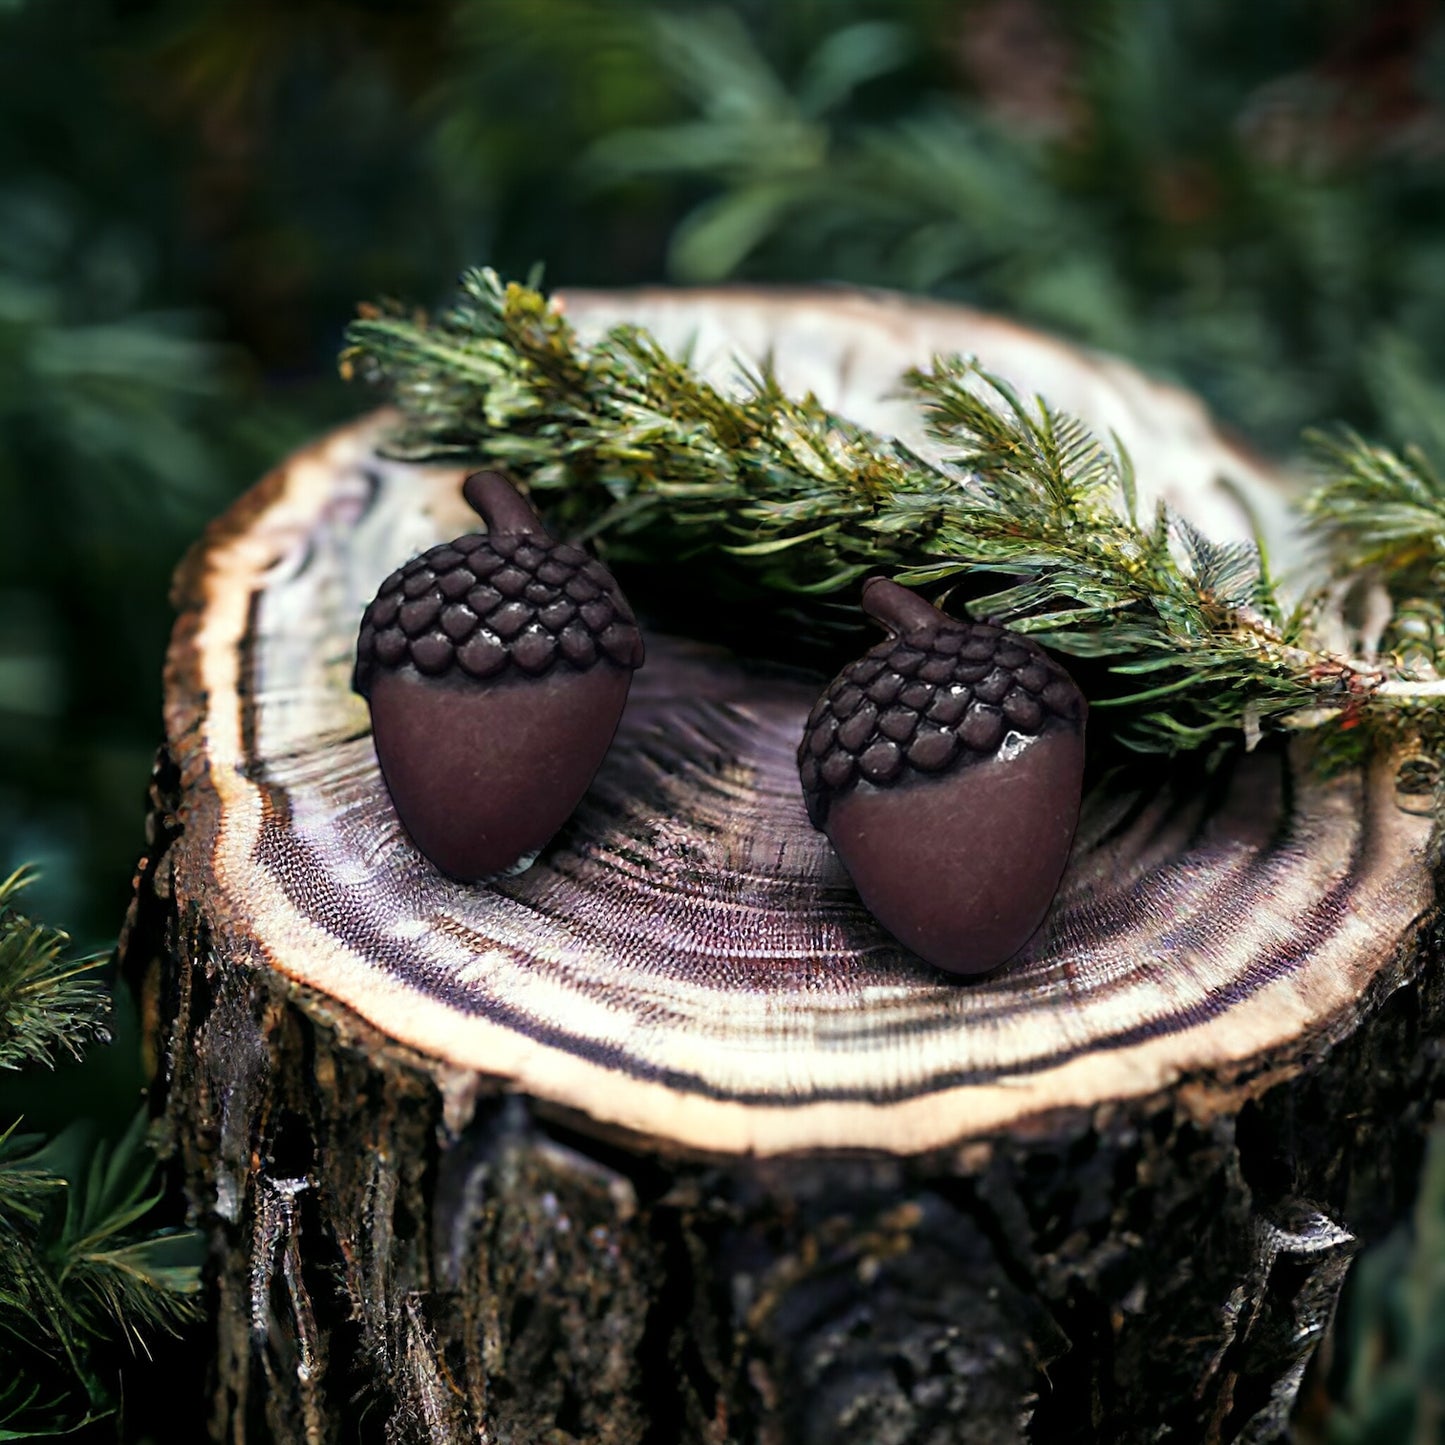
(109, 1273)
(1380, 516)
(78, 1265)
(79, 1262)
(24, 1405)
(1378, 509)
(48, 1003)
(627, 443)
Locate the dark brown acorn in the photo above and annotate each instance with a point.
(946, 767)
(496, 668)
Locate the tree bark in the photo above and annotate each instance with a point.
(664, 1140)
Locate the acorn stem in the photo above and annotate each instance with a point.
(493, 498)
(898, 609)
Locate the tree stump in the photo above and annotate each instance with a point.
(664, 1140)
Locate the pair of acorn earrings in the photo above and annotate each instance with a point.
(945, 765)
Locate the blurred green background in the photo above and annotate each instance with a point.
(1243, 195)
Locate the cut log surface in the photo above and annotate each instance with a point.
(689, 960)
(698, 1021)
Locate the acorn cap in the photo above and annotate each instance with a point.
(507, 603)
(937, 695)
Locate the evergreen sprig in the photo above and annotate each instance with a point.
(49, 1004)
(628, 443)
(1379, 510)
(1380, 515)
(79, 1264)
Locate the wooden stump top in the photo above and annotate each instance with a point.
(687, 962)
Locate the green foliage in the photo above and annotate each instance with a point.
(79, 1264)
(628, 443)
(1381, 515)
(195, 191)
(1379, 511)
(110, 422)
(47, 1003)
(1251, 219)
(1392, 1332)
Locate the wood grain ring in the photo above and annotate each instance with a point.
(687, 961)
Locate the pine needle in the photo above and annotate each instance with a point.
(48, 1004)
(625, 443)
(1377, 509)
(78, 1261)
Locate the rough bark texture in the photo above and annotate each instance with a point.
(401, 1253)
(1099, 1234)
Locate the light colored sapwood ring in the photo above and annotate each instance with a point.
(687, 962)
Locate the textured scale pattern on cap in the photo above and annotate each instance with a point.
(926, 702)
(484, 606)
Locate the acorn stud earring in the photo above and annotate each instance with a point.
(496, 668)
(946, 768)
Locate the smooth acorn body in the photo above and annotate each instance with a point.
(963, 876)
(946, 768)
(483, 777)
(496, 668)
